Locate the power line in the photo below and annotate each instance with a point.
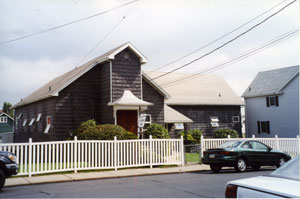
(231, 61)
(66, 24)
(226, 43)
(208, 44)
(98, 43)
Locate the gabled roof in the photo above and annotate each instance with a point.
(199, 90)
(173, 116)
(53, 87)
(2, 113)
(271, 82)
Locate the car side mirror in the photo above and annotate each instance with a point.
(269, 148)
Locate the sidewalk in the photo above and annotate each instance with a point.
(101, 175)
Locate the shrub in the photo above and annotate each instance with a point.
(90, 131)
(157, 131)
(192, 136)
(224, 132)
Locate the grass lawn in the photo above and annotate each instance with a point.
(192, 157)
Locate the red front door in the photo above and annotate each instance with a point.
(128, 120)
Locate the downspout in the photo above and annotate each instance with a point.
(110, 79)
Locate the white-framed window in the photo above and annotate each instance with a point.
(38, 118)
(214, 121)
(48, 122)
(179, 126)
(3, 119)
(144, 121)
(19, 116)
(235, 119)
(24, 122)
(31, 122)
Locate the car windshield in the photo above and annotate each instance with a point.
(230, 144)
(288, 170)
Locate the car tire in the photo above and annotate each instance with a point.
(240, 165)
(281, 161)
(215, 168)
(2, 179)
(255, 167)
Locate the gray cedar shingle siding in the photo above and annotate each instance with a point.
(126, 74)
(201, 117)
(36, 131)
(153, 96)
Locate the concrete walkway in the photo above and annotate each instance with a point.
(101, 175)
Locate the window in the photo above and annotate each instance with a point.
(19, 116)
(263, 127)
(214, 121)
(24, 122)
(272, 101)
(145, 120)
(259, 146)
(31, 122)
(38, 117)
(3, 119)
(247, 145)
(235, 119)
(48, 122)
(179, 126)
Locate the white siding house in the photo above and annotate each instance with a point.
(272, 103)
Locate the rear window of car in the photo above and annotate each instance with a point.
(289, 170)
(230, 144)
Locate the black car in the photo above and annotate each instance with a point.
(8, 166)
(241, 154)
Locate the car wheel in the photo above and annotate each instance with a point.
(215, 168)
(281, 162)
(2, 179)
(255, 167)
(240, 165)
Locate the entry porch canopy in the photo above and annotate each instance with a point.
(128, 101)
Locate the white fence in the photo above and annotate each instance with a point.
(287, 145)
(49, 157)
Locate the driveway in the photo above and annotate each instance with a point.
(204, 184)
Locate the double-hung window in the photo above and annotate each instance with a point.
(272, 101)
(263, 127)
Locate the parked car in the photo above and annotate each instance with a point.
(241, 154)
(282, 183)
(8, 166)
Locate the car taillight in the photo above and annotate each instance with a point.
(204, 153)
(231, 191)
(224, 152)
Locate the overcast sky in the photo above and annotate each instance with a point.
(163, 30)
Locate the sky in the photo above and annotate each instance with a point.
(162, 30)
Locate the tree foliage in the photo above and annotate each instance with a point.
(157, 131)
(7, 108)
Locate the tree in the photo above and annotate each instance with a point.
(7, 108)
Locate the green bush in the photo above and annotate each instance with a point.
(193, 136)
(90, 131)
(157, 131)
(224, 132)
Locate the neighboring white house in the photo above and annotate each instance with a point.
(272, 103)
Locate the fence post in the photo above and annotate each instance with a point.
(277, 142)
(202, 146)
(228, 137)
(182, 150)
(30, 156)
(150, 138)
(115, 152)
(253, 136)
(75, 154)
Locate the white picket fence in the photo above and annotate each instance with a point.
(287, 145)
(50, 157)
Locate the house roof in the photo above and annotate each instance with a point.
(271, 82)
(199, 90)
(2, 113)
(59, 83)
(128, 99)
(173, 116)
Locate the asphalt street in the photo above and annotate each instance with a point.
(204, 184)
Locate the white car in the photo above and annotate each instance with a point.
(281, 183)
